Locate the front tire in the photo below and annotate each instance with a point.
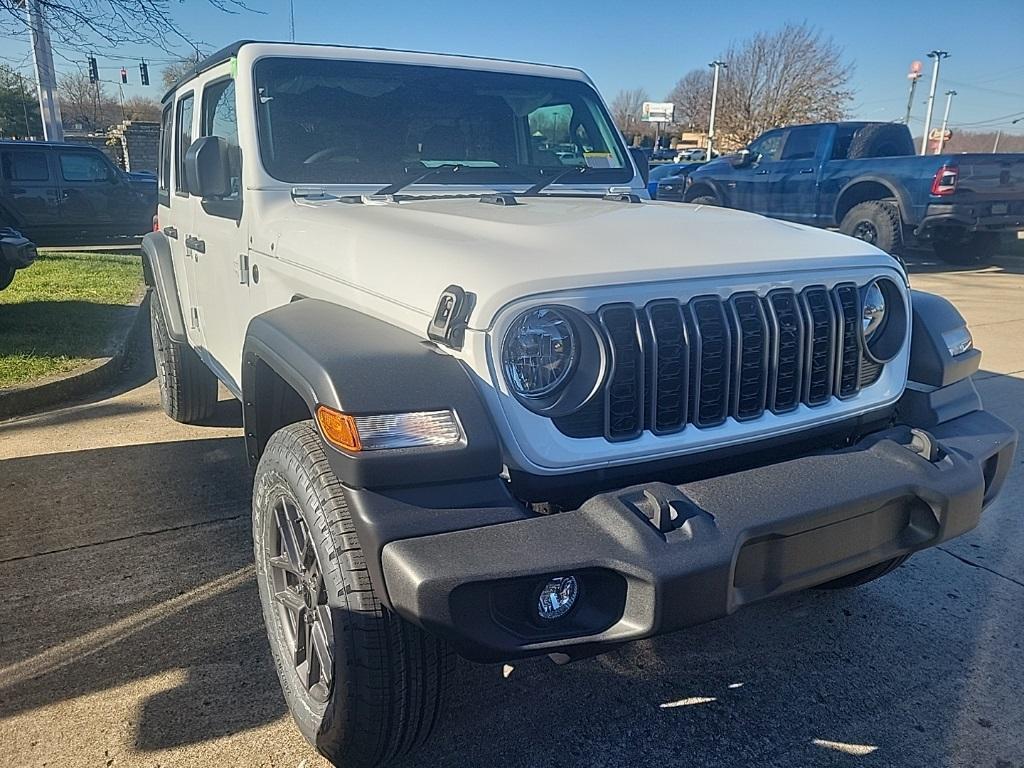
(363, 685)
(876, 222)
(6, 275)
(965, 248)
(706, 200)
(188, 389)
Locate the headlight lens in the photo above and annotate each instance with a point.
(874, 310)
(539, 352)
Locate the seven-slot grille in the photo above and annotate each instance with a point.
(710, 359)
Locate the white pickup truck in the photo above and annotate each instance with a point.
(500, 403)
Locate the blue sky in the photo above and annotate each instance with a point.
(652, 43)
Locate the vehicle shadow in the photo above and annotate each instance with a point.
(147, 591)
(75, 329)
(923, 261)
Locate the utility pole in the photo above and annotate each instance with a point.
(995, 147)
(914, 75)
(945, 122)
(291, 17)
(46, 77)
(938, 56)
(717, 65)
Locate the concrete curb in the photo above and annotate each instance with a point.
(94, 375)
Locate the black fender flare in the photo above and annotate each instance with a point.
(159, 272)
(931, 365)
(712, 184)
(346, 360)
(898, 190)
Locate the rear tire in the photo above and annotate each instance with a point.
(188, 389)
(858, 578)
(6, 276)
(965, 248)
(388, 680)
(876, 222)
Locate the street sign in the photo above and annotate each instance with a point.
(657, 111)
(936, 135)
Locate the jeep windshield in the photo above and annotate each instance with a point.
(332, 121)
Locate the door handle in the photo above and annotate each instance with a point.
(171, 232)
(195, 244)
(806, 170)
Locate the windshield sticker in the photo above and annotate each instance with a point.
(598, 159)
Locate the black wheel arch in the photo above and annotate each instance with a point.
(701, 187)
(865, 188)
(313, 352)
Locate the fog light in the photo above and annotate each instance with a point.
(558, 597)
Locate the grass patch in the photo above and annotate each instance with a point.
(63, 311)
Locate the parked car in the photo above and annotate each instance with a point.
(694, 154)
(57, 193)
(506, 408)
(866, 179)
(671, 186)
(659, 172)
(16, 252)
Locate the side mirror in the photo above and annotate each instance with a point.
(741, 159)
(642, 163)
(207, 168)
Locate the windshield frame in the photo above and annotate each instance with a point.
(625, 176)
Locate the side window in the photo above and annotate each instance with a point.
(183, 129)
(25, 166)
(768, 147)
(164, 184)
(802, 143)
(83, 166)
(221, 119)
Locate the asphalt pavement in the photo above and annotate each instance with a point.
(131, 635)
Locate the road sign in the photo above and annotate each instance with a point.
(657, 111)
(936, 135)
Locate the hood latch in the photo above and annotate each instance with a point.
(448, 325)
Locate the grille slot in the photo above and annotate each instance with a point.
(624, 392)
(787, 360)
(676, 364)
(712, 361)
(849, 313)
(670, 366)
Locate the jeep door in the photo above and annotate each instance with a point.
(95, 197)
(29, 195)
(220, 233)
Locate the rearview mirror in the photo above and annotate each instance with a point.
(207, 168)
(741, 159)
(642, 163)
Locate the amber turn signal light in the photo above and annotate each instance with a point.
(339, 429)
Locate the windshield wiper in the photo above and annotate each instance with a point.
(544, 183)
(397, 186)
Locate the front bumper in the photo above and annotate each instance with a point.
(16, 251)
(980, 217)
(723, 543)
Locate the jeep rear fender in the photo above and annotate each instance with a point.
(312, 352)
(159, 274)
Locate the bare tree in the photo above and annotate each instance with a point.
(142, 108)
(85, 102)
(108, 23)
(177, 70)
(793, 75)
(626, 108)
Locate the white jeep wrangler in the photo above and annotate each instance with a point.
(500, 403)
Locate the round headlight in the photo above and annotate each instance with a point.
(874, 310)
(539, 352)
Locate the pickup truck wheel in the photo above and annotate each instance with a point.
(363, 685)
(6, 276)
(188, 389)
(965, 248)
(706, 200)
(858, 578)
(876, 222)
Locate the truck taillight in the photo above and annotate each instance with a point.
(945, 179)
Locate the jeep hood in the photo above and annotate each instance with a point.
(409, 252)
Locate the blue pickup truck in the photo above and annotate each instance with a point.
(866, 180)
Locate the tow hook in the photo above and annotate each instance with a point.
(925, 445)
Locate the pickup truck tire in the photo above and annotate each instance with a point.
(188, 389)
(876, 222)
(706, 200)
(6, 276)
(388, 679)
(965, 248)
(858, 578)
(880, 140)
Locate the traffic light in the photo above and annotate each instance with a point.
(94, 73)
(144, 73)
(124, 75)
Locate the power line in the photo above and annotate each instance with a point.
(992, 120)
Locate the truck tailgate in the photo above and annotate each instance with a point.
(989, 178)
